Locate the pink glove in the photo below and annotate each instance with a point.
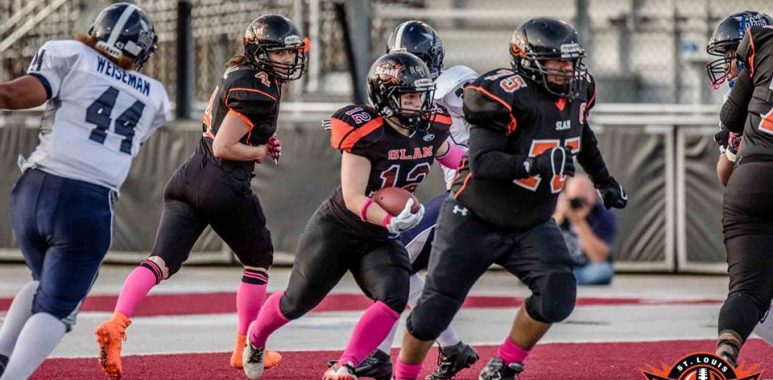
(274, 147)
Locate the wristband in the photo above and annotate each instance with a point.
(364, 209)
(387, 219)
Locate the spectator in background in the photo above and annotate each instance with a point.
(589, 230)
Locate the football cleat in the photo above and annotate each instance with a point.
(236, 356)
(3, 363)
(344, 372)
(496, 369)
(453, 359)
(252, 361)
(110, 336)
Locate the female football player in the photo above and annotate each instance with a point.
(213, 186)
(62, 206)
(391, 144)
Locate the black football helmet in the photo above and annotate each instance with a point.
(725, 39)
(394, 74)
(541, 39)
(124, 30)
(420, 40)
(271, 33)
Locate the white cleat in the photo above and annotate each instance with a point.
(344, 372)
(252, 359)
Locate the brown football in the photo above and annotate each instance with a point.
(392, 200)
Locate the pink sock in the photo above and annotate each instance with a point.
(511, 352)
(270, 319)
(372, 328)
(406, 371)
(137, 285)
(249, 297)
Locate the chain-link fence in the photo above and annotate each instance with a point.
(639, 50)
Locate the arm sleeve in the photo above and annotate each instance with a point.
(51, 64)
(590, 157)
(734, 109)
(488, 159)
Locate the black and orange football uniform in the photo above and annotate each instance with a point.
(748, 202)
(336, 240)
(520, 120)
(497, 212)
(396, 160)
(206, 190)
(250, 94)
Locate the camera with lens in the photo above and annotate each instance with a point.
(576, 203)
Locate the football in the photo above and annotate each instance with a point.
(392, 200)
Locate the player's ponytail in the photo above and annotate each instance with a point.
(123, 62)
(237, 60)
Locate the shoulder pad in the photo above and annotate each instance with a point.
(452, 79)
(355, 125)
(248, 79)
(488, 102)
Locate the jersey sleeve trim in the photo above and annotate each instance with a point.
(511, 126)
(245, 119)
(751, 55)
(249, 90)
(443, 119)
(44, 82)
(344, 136)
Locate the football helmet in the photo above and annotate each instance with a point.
(725, 39)
(125, 30)
(271, 33)
(540, 39)
(395, 74)
(421, 40)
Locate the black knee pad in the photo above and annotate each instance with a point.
(432, 315)
(291, 307)
(739, 313)
(555, 300)
(396, 302)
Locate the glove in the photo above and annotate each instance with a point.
(721, 137)
(556, 161)
(405, 220)
(612, 194)
(274, 147)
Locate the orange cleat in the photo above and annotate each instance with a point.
(110, 335)
(236, 356)
(271, 359)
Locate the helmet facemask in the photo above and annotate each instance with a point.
(390, 104)
(259, 55)
(535, 66)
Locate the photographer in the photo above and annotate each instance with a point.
(589, 230)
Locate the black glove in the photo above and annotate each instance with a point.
(556, 161)
(722, 136)
(612, 194)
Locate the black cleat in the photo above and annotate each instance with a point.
(3, 363)
(453, 359)
(497, 370)
(377, 366)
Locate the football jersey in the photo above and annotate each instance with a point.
(97, 115)
(449, 93)
(532, 121)
(250, 94)
(757, 46)
(396, 160)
